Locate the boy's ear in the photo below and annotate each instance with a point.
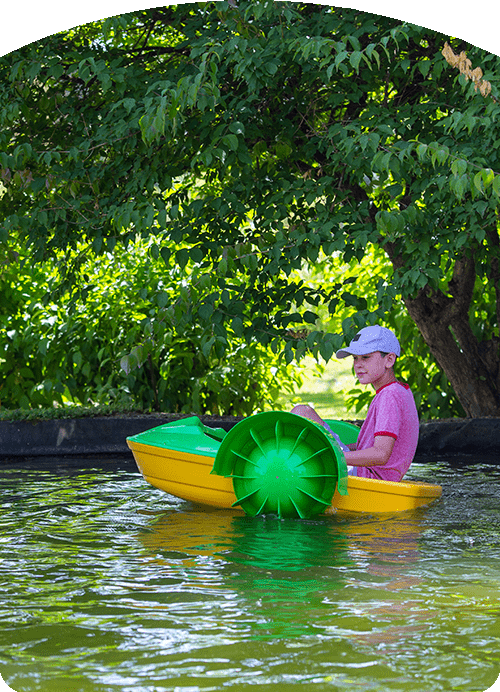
(390, 359)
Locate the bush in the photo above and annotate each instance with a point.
(114, 341)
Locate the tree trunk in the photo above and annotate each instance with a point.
(443, 321)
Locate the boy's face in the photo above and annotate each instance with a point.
(374, 368)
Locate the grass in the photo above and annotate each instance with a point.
(62, 412)
(325, 392)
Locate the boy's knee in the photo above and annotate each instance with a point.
(303, 410)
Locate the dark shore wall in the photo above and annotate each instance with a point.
(107, 436)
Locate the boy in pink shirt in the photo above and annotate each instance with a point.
(388, 437)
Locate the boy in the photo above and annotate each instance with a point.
(388, 437)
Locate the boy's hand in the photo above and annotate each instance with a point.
(342, 446)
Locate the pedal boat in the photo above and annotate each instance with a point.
(183, 459)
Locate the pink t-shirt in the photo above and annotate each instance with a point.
(392, 412)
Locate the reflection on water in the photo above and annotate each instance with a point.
(108, 584)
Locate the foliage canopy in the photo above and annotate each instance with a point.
(246, 139)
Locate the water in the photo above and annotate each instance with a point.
(108, 584)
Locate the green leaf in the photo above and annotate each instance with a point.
(496, 185)
(422, 151)
(182, 257)
(206, 345)
(459, 167)
(326, 349)
(205, 311)
(231, 141)
(488, 176)
(237, 325)
(310, 317)
(460, 185)
(478, 182)
(355, 58)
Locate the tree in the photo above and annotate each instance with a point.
(250, 138)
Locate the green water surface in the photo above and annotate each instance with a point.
(108, 584)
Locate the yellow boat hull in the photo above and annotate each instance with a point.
(188, 477)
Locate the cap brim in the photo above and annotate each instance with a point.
(343, 353)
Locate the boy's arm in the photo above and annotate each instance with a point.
(378, 455)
